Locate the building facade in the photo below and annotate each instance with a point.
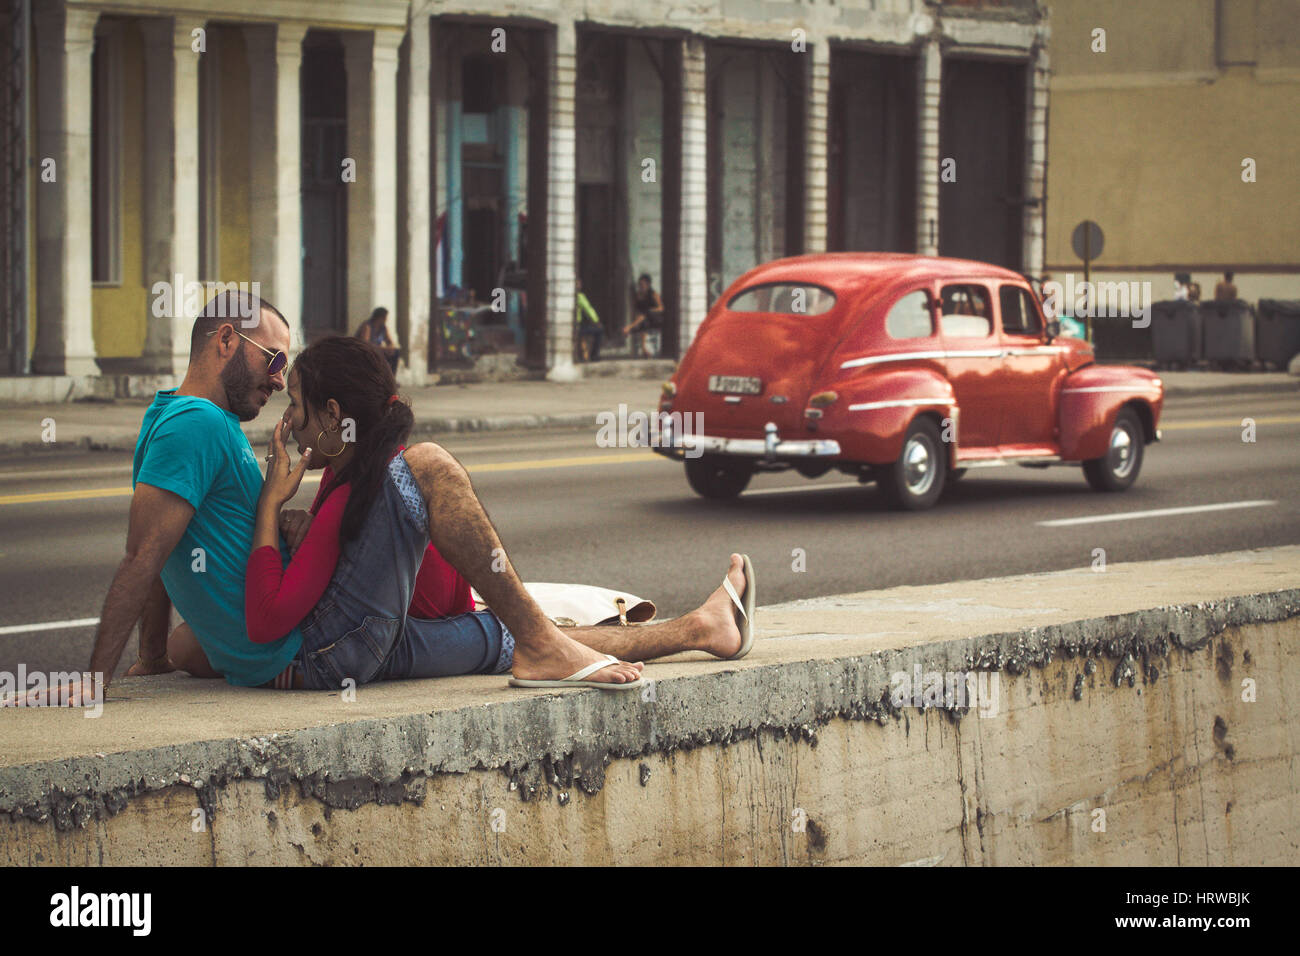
(429, 155)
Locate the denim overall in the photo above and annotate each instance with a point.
(360, 628)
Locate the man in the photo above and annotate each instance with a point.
(1225, 291)
(196, 486)
(590, 331)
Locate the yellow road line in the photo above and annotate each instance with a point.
(574, 462)
(583, 460)
(1232, 422)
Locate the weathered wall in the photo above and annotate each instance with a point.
(1142, 716)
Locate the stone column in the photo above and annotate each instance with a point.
(815, 148)
(561, 226)
(287, 253)
(384, 159)
(184, 239)
(927, 150)
(275, 130)
(419, 278)
(65, 343)
(357, 59)
(694, 298)
(1036, 162)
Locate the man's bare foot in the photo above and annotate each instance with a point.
(720, 635)
(557, 656)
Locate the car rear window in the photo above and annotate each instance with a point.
(783, 298)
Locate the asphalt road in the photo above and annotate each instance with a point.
(570, 511)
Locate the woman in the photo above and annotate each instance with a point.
(648, 309)
(375, 331)
(343, 570)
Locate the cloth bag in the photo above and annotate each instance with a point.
(584, 605)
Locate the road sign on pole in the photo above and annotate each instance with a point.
(1088, 241)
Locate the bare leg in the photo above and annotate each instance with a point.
(463, 534)
(710, 627)
(184, 652)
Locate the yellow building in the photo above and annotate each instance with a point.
(1175, 125)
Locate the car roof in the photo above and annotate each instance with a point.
(844, 270)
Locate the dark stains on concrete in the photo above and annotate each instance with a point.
(810, 695)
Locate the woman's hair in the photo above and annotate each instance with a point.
(645, 277)
(379, 313)
(357, 376)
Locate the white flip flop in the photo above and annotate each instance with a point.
(576, 679)
(744, 608)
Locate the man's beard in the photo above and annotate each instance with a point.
(237, 380)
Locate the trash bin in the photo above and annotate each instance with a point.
(1175, 333)
(1229, 330)
(1277, 331)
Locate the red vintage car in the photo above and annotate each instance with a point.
(902, 369)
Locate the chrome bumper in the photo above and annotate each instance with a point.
(769, 448)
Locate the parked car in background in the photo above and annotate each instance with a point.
(900, 369)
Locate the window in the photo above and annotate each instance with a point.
(910, 317)
(1019, 314)
(105, 149)
(967, 312)
(784, 299)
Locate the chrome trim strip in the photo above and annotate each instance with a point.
(1114, 388)
(894, 357)
(950, 353)
(901, 403)
(1012, 460)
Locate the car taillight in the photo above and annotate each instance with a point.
(822, 399)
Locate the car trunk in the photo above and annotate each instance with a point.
(776, 349)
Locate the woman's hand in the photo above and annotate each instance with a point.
(293, 525)
(282, 482)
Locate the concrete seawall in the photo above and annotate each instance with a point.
(1145, 714)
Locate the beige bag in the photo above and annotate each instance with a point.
(584, 605)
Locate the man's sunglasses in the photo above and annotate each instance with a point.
(274, 364)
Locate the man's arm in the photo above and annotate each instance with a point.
(157, 522)
(155, 623)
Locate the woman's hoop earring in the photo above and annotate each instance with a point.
(321, 447)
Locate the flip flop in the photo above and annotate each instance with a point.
(745, 609)
(576, 680)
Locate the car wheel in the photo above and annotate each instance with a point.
(1123, 459)
(916, 480)
(713, 477)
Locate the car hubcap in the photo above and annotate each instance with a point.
(1121, 452)
(918, 466)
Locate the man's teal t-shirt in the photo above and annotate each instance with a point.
(195, 449)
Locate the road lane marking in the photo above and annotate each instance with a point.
(575, 462)
(780, 491)
(48, 626)
(1231, 422)
(1158, 513)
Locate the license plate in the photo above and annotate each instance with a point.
(735, 384)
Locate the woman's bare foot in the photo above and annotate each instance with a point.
(556, 656)
(720, 635)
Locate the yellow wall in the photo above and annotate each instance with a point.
(1154, 155)
(120, 312)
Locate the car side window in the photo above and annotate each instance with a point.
(967, 312)
(1019, 316)
(909, 318)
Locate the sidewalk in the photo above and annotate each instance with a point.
(487, 406)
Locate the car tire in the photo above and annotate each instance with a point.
(915, 481)
(713, 477)
(1119, 467)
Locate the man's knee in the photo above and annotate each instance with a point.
(428, 460)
